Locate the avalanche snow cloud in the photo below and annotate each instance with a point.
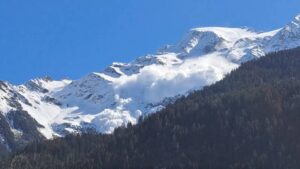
(125, 91)
(156, 82)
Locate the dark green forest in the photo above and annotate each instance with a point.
(249, 120)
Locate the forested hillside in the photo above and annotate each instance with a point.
(251, 119)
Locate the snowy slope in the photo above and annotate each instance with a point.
(124, 91)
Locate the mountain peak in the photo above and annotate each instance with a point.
(288, 37)
(297, 18)
(124, 91)
(205, 40)
(294, 25)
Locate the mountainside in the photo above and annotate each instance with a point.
(123, 92)
(249, 120)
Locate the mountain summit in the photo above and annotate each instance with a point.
(123, 92)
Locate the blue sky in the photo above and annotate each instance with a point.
(70, 38)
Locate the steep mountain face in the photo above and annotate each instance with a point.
(25, 111)
(248, 120)
(123, 92)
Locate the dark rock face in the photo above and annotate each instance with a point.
(35, 87)
(2, 86)
(22, 121)
(52, 100)
(17, 129)
(6, 135)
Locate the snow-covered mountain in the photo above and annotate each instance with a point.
(123, 92)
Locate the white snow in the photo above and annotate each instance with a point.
(125, 91)
(157, 82)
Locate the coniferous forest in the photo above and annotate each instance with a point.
(249, 120)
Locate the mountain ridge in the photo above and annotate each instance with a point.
(250, 119)
(125, 91)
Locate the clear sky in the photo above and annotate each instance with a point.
(70, 38)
